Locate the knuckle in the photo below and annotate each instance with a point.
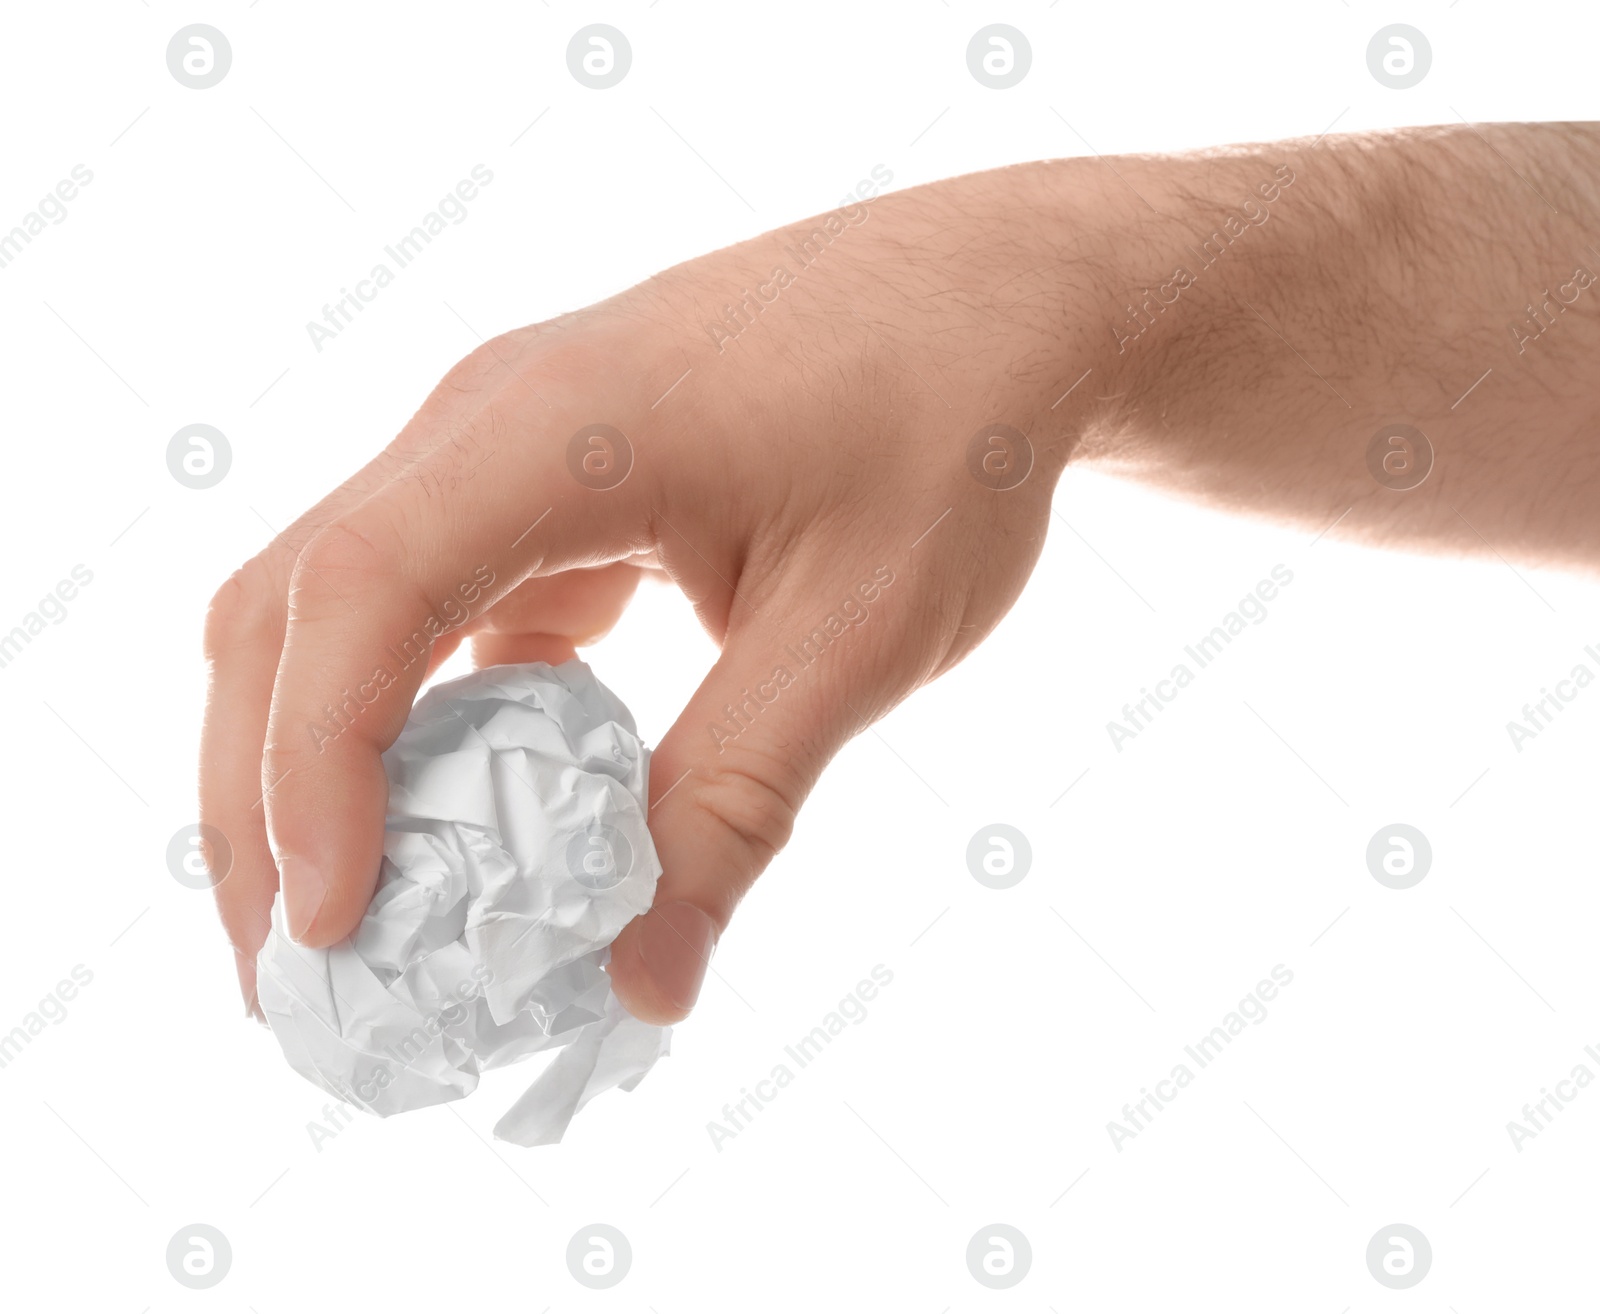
(288, 748)
(245, 929)
(755, 797)
(501, 364)
(343, 560)
(344, 548)
(505, 347)
(484, 363)
(242, 613)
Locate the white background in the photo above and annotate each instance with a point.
(979, 1086)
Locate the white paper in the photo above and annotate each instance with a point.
(515, 851)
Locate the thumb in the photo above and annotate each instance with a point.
(725, 786)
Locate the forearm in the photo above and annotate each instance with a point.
(1244, 326)
(792, 427)
(1269, 331)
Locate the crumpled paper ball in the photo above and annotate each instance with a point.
(515, 850)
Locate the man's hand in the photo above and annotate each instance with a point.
(805, 470)
(840, 440)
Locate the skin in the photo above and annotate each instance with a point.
(781, 461)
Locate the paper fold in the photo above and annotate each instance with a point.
(515, 850)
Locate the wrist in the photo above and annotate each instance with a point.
(972, 303)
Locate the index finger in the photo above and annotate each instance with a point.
(374, 591)
(244, 633)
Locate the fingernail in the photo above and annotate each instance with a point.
(675, 944)
(303, 893)
(247, 987)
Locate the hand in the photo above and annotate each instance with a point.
(804, 470)
(808, 416)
